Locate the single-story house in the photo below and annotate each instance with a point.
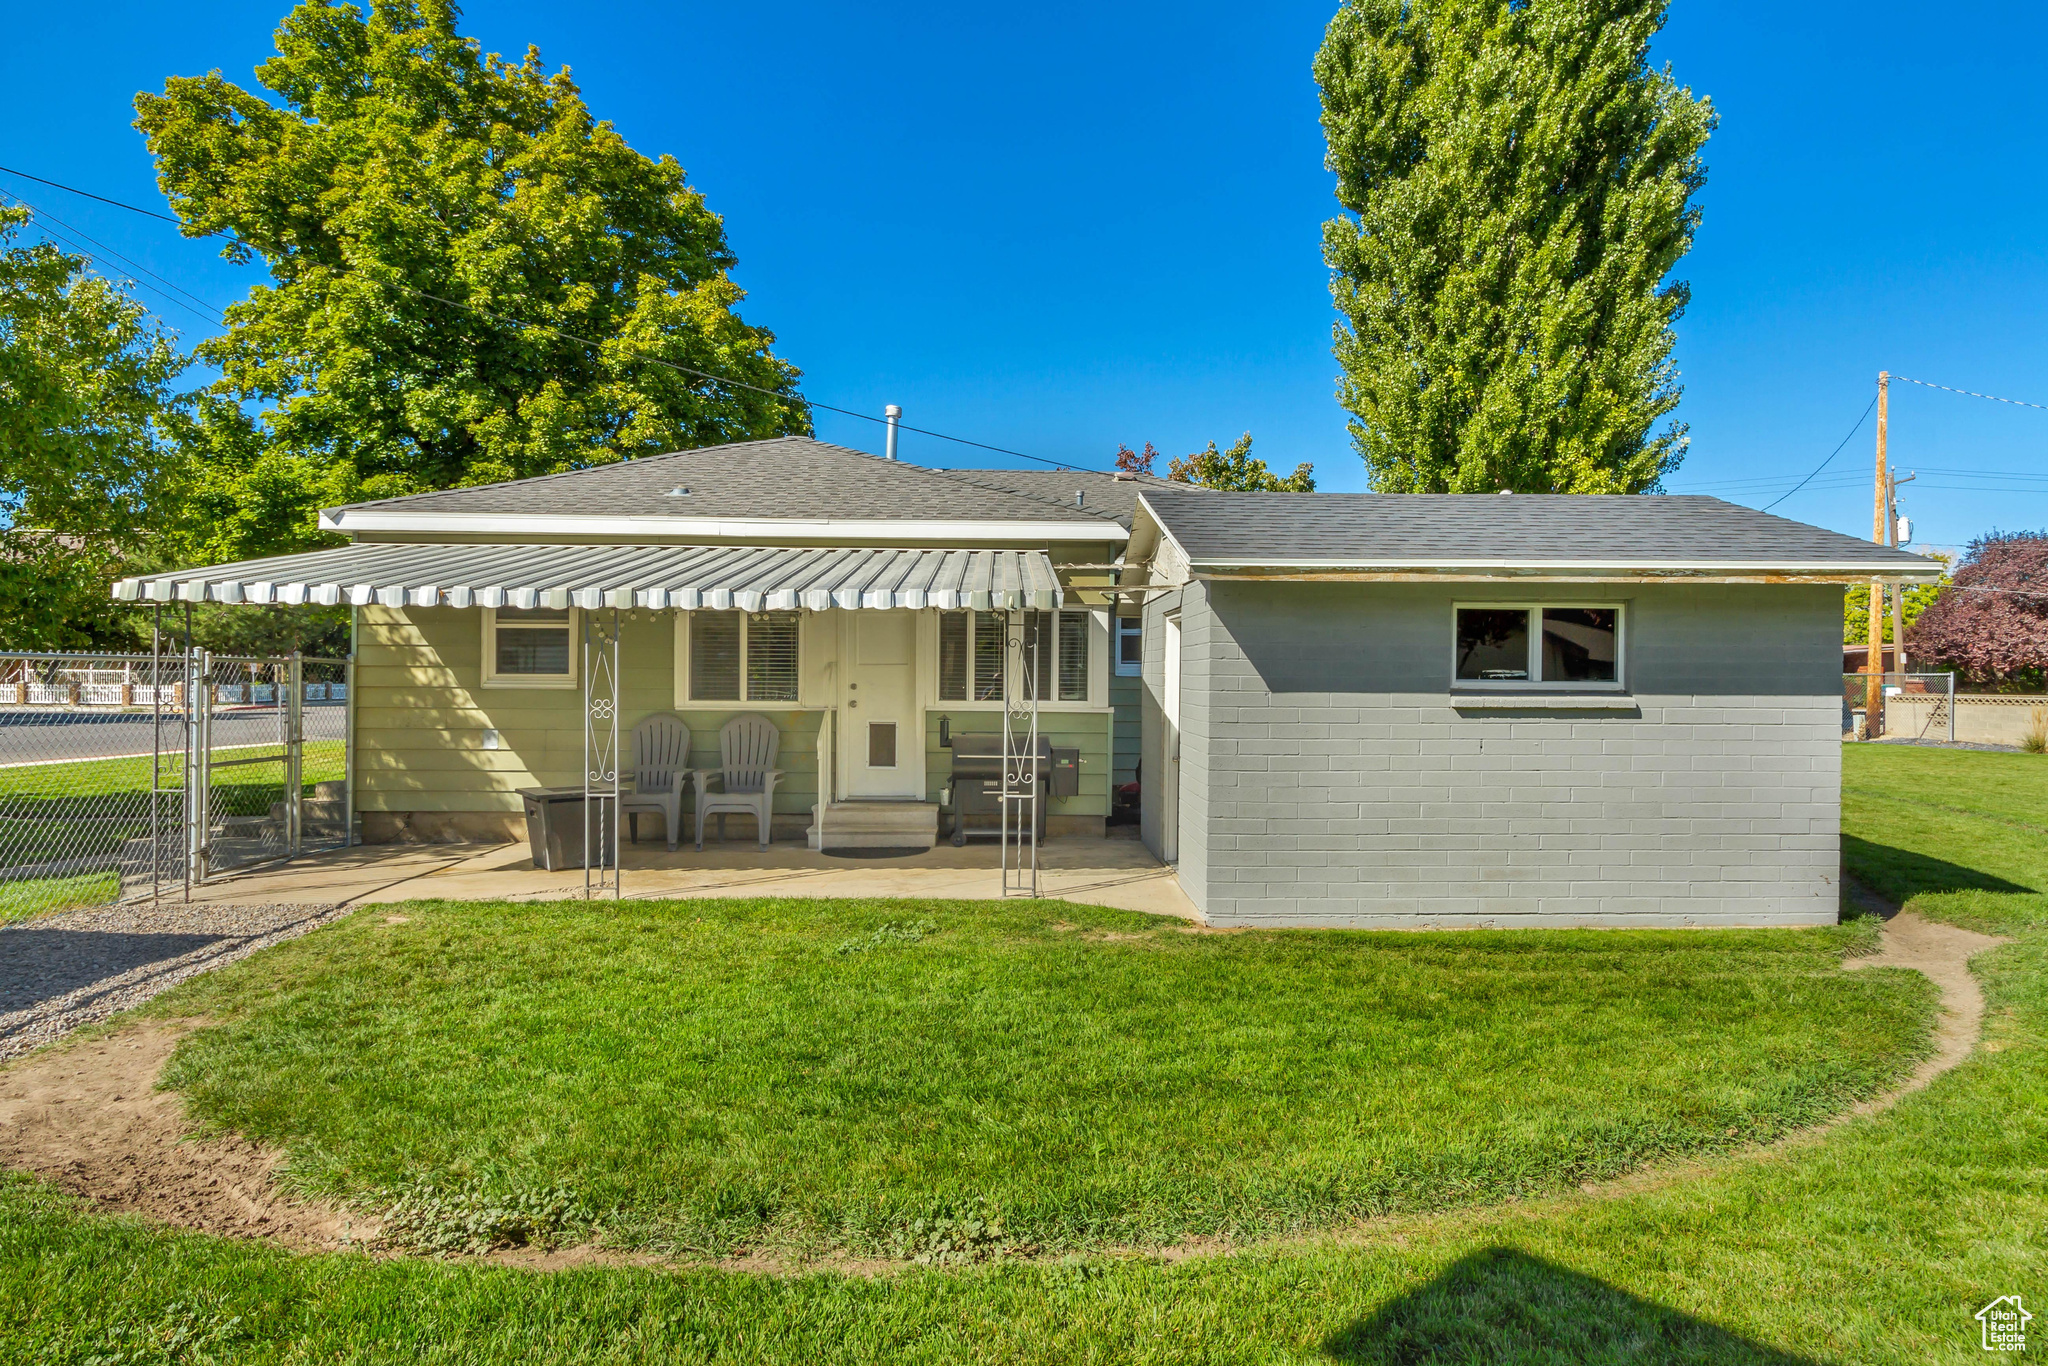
(867, 607)
(1443, 710)
(1341, 709)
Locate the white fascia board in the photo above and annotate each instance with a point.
(626, 530)
(1525, 567)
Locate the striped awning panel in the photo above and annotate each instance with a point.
(749, 578)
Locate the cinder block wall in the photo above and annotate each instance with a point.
(1327, 780)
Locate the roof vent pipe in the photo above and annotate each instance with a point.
(894, 414)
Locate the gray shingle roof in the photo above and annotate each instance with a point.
(1303, 529)
(792, 476)
(1100, 491)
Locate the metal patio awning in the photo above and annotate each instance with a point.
(749, 578)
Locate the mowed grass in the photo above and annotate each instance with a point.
(1874, 1244)
(89, 808)
(42, 896)
(729, 1075)
(321, 760)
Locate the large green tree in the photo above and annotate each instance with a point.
(87, 399)
(392, 166)
(1519, 183)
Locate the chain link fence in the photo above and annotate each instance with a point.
(1919, 706)
(127, 776)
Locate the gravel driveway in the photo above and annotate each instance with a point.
(58, 972)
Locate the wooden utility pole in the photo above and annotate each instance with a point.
(1873, 688)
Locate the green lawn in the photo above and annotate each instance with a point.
(731, 1074)
(90, 808)
(43, 895)
(1874, 1244)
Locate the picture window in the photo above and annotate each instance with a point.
(1056, 648)
(744, 656)
(1549, 645)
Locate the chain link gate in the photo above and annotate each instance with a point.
(136, 776)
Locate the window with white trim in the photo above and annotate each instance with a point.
(1550, 645)
(744, 656)
(530, 647)
(1130, 646)
(974, 650)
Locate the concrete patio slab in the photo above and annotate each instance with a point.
(1101, 872)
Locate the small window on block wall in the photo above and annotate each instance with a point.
(1548, 645)
(530, 648)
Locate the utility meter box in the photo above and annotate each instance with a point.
(1066, 772)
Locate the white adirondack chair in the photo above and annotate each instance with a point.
(661, 764)
(748, 745)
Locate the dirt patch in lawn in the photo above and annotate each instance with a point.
(88, 1118)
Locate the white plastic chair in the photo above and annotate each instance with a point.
(661, 761)
(748, 745)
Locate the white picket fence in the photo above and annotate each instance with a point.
(117, 687)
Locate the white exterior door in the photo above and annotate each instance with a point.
(880, 727)
(1169, 788)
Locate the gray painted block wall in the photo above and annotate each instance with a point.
(1327, 780)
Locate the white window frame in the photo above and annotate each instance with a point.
(1535, 682)
(1135, 668)
(1100, 643)
(493, 679)
(685, 698)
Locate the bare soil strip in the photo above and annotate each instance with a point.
(89, 1119)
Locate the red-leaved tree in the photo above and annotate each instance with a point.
(1991, 636)
(1136, 462)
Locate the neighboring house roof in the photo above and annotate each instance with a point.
(750, 483)
(1382, 534)
(1098, 490)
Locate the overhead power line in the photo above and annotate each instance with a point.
(43, 217)
(1970, 393)
(1823, 464)
(567, 336)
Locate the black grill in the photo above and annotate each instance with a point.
(978, 784)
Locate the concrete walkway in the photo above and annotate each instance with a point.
(1102, 872)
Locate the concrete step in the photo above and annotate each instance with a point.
(877, 825)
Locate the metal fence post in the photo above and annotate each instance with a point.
(199, 792)
(295, 753)
(1951, 708)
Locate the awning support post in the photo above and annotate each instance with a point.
(1021, 777)
(600, 753)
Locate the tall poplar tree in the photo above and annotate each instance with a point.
(1519, 183)
(435, 220)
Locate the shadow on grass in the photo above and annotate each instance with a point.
(1502, 1306)
(1903, 873)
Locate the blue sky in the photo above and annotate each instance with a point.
(1058, 227)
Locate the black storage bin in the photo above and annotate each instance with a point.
(555, 827)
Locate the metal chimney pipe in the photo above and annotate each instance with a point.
(894, 414)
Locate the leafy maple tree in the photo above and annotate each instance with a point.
(87, 403)
(472, 278)
(1238, 469)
